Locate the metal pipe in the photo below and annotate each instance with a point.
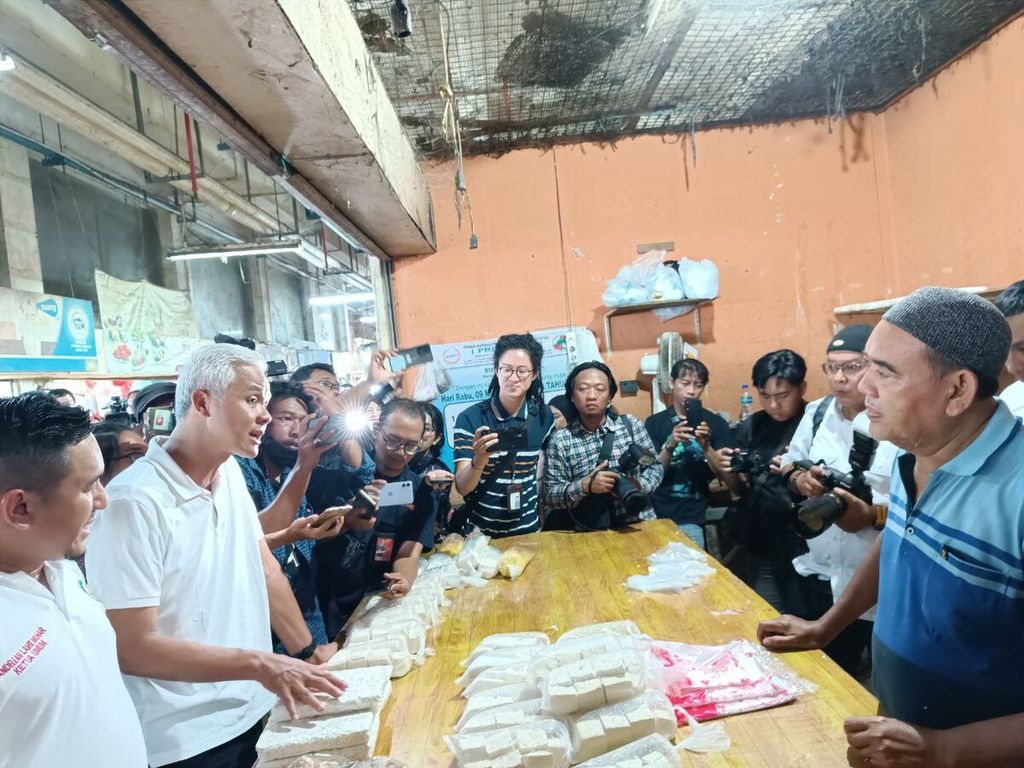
(191, 155)
(120, 185)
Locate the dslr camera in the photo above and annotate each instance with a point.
(748, 463)
(815, 515)
(633, 460)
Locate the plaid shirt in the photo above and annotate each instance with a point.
(572, 455)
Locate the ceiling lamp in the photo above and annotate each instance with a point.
(225, 252)
(341, 298)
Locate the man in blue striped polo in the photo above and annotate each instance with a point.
(948, 572)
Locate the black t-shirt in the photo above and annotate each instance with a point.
(763, 523)
(683, 493)
(346, 569)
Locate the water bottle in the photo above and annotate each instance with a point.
(746, 401)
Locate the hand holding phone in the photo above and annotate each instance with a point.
(401, 359)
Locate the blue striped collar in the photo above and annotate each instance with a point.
(503, 415)
(999, 429)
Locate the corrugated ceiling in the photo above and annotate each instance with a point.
(538, 72)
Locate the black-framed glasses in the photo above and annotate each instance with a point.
(507, 372)
(392, 443)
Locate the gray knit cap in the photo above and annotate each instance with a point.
(961, 327)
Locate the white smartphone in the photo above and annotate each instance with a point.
(396, 494)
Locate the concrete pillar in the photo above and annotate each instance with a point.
(20, 267)
(259, 290)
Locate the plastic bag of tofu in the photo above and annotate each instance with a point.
(649, 752)
(615, 725)
(492, 659)
(505, 716)
(595, 681)
(496, 677)
(567, 651)
(366, 689)
(326, 761)
(508, 641)
(487, 560)
(539, 744)
(497, 697)
(393, 653)
(623, 628)
(466, 560)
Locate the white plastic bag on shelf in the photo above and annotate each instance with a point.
(699, 278)
(610, 727)
(650, 752)
(646, 279)
(542, 742)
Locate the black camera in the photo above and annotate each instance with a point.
(511, 439)
(748, 463)
(635, 458)
(815, 515)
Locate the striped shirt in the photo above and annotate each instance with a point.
(488, 504)
(951, 588)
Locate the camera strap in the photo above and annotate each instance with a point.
(605, 454)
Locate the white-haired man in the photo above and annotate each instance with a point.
(179, 561)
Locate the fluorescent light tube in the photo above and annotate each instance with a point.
(340, 298)
(236, 249)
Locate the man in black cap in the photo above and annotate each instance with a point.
(947, 574)
(826, 435)
(158, 399)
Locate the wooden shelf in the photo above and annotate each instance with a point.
(882, 306)
(630, 309)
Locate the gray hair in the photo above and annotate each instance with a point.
(213, 369)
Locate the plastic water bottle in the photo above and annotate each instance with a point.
(746, 401)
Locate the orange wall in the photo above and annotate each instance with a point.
(798, 221)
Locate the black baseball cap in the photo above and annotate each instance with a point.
(853, 338)
(149, 394)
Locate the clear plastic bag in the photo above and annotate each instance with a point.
(624, 628)
(367, 689)
(497, 697)
(487, 560)
(505, 716)
(565, 652)
(542, 742)
(615, 725)
(699, 278)
(451, 545)
(649, 752)
(495, 677)
(508, 641)
(515, 559)
(496, 658)
(326, 761)
(646, 279)
(595, 681)
(673, 568)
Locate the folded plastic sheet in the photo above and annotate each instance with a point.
(714, 681)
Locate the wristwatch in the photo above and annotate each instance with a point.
(306, 652)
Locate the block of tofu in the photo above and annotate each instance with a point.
(507, 716)
(497, 697)
(508, 640)
(393, 654)
(653, 751)
(539, 744)
(595, 681)
(518, 672)
(293, 738)
(492, 659)
(412, 633)
(622, 628)
(560, 654)
(368, 689)
(620, 723)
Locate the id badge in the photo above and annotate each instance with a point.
(515, 497)
(383, 549)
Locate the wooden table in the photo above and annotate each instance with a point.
(579, 579)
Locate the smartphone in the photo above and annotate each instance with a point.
(693, 412)
(329, 430)
(159, 421)
(511, 439)
(329, 515)
(396, 494)
(401, 359)
(366, 506)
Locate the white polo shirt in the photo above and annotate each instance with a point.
(1013, 396)
(62, 700)
(193, 554)
(835, 555)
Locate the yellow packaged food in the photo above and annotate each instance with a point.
(514, 560)
(451, 544)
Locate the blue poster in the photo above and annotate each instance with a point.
(470, 366)
(40, 333)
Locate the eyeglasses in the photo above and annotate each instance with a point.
(328, 384)
(393, 443)
(849, 369)
(131, 458)
(506, 372)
